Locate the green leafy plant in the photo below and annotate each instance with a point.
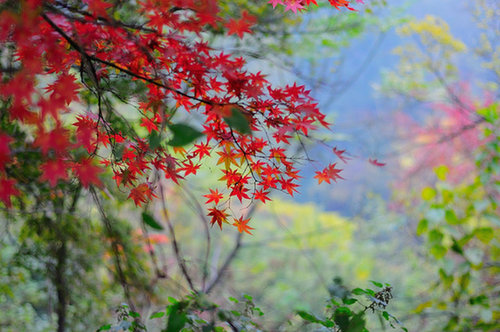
(345, 311)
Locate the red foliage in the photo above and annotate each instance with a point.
(448, 137)
(242, 225)
(178, 70)
(298, 5)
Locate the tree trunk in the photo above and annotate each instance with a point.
(61, 290)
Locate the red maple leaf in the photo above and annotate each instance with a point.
(241, 26)
(240, 191)
(202, 149)
(293, 5)
(4, 149)
(289, 186)
(322, 176)
(148, 124)
(214, 196)
(340, 155)
(218, 216)
(141, 194)
(375, 162)
(53, 171)
(87, 172)
(56, 140)
(330, 173)
(261, 195)
(340, 3)
(189, 167)
(86, 133)
(63, 91)
(242, 225)
(7, 189)
(99, 7)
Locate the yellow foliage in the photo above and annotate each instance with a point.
(433, 28)
(315, 227)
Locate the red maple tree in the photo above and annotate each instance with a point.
(88, 50)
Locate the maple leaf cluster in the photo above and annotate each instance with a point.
(85, 52)
(299, 5)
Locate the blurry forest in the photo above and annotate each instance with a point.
(407, 239)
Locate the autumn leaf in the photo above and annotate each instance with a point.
(375, 162)
(242, 225)
(218, 216)
(330, 173)
(340, 155)
(227, 156)
(7, 190)
(261, 195)
(87, 172)
(241, 26)
(53, 171)
(141, 194)
(149, 124)
(202, 150)
(56, 140)
(214, 196)
(5, 140)
(189, 167)
(240, 191)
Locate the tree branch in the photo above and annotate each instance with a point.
(230, 257)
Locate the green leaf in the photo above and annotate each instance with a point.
(441, 172)
(386, 315)
(357, 323)
(428, 193)
(307, 316)
(479, 300)
(376, 283)
(445, 278)
(447, 196)
(236, 313)
(327, 323)
(359, 291)
(451, 217)
(422, 226)
(177, 317)
(438, 251)
(341, 317)
(183, 134)
(435, 237)
(154, 140)
(456, 247)
(134, 314)
(158, 314)
(484, 234)
(150, 221)
(349, 301)
(238, 121)
(490, 113)
(118, 151)
(105, 328)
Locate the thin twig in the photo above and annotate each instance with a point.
(115, 248)
(175, 245)
(230, 257)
